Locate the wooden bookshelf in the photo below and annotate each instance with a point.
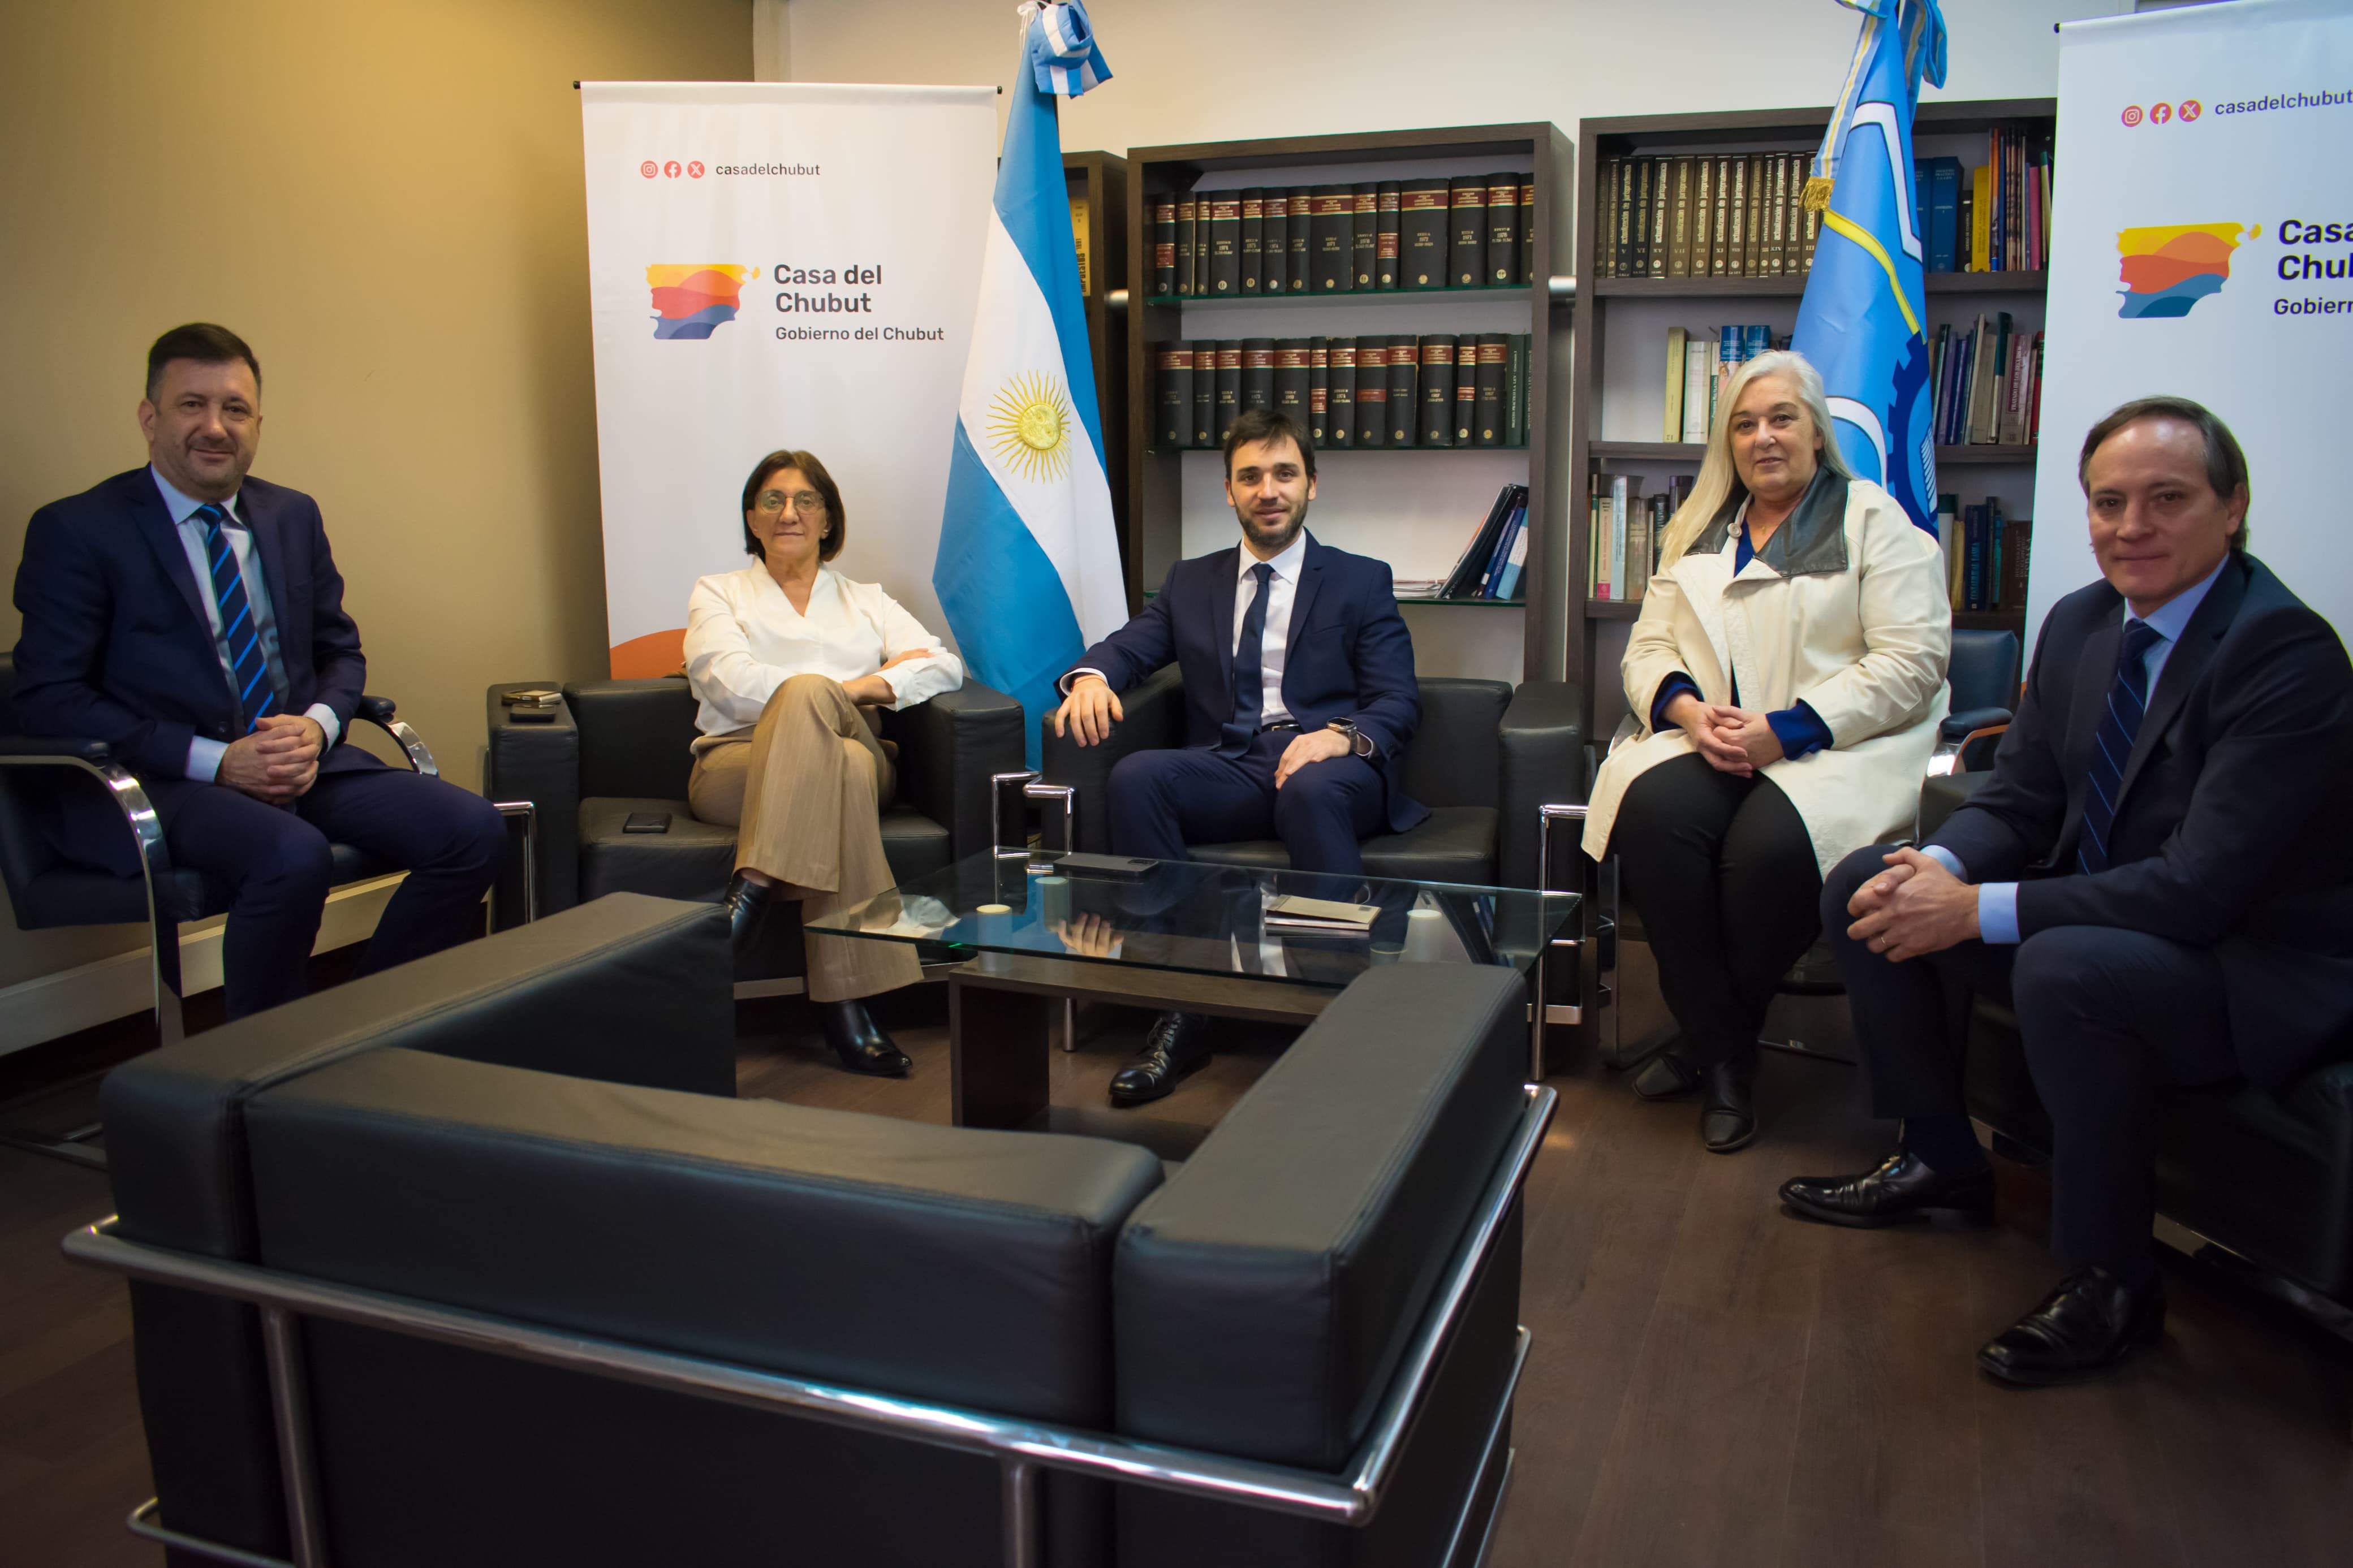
(1098, 182)
(1157, 481)
(1592, 658)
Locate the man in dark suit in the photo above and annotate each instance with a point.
(193, 619)
(1300, 698)
(2157, 877)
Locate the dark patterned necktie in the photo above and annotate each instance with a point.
(1249, 670)
(250, 671)
(2112, 744)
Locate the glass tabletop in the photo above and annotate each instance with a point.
(1205, 919)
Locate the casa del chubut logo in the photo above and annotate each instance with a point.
(2167, 269)
(692, 299)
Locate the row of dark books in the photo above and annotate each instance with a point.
(1440, 389)
(1493, 563)
(1986, 553)
(1732, 214)
(1988, 382)
(1435, 233)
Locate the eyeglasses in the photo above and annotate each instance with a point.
(808, 504)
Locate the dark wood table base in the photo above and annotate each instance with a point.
(1002, 1012)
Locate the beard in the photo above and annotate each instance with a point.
(1272, 538)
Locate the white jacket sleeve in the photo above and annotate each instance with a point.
(1907, 633)
(918, 679)
(1653, 652)
(719, 663)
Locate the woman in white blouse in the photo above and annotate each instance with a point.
(1786, 679)
(787, 656)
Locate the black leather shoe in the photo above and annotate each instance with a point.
(1178, 1046)
(860, 1041)
(2090, 1322)
(745, 901)
(1903, 1188)
(1667, 1076)
(1727, 1110)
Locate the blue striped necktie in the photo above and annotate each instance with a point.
(248, 669)
(2112, 744)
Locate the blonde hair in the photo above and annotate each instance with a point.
(1718, 480)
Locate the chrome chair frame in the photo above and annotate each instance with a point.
(1023, 1449)
(154, 863)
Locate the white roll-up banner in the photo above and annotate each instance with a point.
(775, 266)
(2201, 243)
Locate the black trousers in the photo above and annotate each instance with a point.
(2107, 1018)
(1723, 872)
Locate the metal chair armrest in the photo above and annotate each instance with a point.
(383, 714)
(130, 798)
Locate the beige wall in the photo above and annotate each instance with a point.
(1206, 71)
(386, 202)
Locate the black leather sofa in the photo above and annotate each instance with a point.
(1485, 757)
(2266, 1177)
(621, 746)
(546, 1293)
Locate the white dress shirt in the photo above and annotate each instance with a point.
(1281, 589)
(204, 751)
(743, 639)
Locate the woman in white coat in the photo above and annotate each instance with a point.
(1786, 679)
(787, 658)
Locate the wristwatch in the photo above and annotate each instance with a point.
(1358, 741)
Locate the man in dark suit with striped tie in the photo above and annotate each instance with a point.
(2158, 877)
(193, 619)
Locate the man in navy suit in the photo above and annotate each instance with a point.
(193, 619)
(1300, 698)
(2157, 876)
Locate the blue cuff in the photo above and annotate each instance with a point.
(205, 758)
(1998, 913)
(1670, 688)
(1799, 729)
(1947, 859)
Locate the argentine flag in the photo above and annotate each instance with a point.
(1028, 569)
(1866, 297)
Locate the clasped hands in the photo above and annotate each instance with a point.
(1733, 740)
(1092, 708)
(279, 762)
(1915, 907)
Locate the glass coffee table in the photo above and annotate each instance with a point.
(1031, 938)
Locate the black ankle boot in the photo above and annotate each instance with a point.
(860, 1041)
(745, 901)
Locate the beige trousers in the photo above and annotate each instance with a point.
(805, 791)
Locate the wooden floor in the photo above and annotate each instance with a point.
(1711, 1382)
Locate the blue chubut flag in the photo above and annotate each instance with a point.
(1865, 298)
(1028, 569)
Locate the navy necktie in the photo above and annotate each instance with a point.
(2112, 745)
(1249, 670)
(249, 670)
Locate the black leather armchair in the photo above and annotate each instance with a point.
(47, 890)
(1983, 676)
(1485, 758)
(522, 1284)
(2264, 1178)
(622, 746)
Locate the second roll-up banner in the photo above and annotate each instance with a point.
(776, 265)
